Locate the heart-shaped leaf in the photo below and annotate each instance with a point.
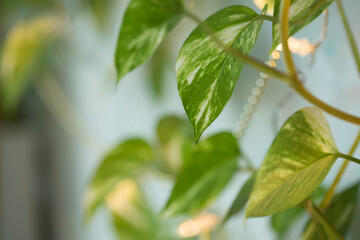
(145, 25)
(129, 159)
(206, 74)
(299, 9)
(205, 173)
(298, 160)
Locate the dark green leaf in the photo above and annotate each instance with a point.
(340, 212)
(129, 159)
(204, 175)
(206, 74)
(145, 24)
(282, 221)
(298, 160)
(298, 10)
(241, 199)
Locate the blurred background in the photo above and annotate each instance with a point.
(66, 110)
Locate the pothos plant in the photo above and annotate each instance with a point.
(209, 65)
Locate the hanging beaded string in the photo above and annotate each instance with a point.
(299, 46)
(254, 98)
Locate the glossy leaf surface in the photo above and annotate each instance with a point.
(129, 159)
(300, 9)
(298, 160)
(206, 74)
(145, 24)
(205, 173)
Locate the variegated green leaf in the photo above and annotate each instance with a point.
(300, 9)
(340, 212)
(205, 173)
(298, 160)
(206, 74)
(145, 24)
(127, 160)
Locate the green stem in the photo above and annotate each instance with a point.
(284, 35)
(267, 18)
(302, 91)
(348, 157)
(349, 34)
(239, 55)
(319, 217)
(330, 193)
(290, 65)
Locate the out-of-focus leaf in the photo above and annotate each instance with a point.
(207, 74)
(241, 199)
(204, 175)
(298, 160)
(159, 63)
(298, 9)
(100, 10)
(340, 212)
(21, 55)
(261, 4)
(175, 136)
(129, 159)
(145, 24)
(281, 222)
(132, 217)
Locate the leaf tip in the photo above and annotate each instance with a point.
(265, 9)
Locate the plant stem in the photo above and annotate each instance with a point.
(350, 158)
(349, 34)
(284, 35)
(302, 91)
(267, 17)
(291, 79)
(239, 55)
(330, 193)
(296, 83)
(318, 216)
